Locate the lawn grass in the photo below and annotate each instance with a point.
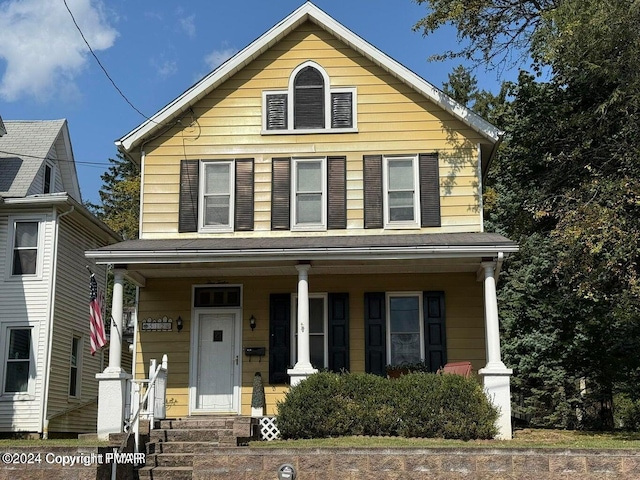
(524, 438)
(59, 442)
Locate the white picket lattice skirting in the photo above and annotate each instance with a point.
(268, 429)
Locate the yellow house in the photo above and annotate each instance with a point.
(310, 204)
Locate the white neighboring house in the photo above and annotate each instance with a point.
(47, 373)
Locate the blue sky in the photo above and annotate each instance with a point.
(156, 49)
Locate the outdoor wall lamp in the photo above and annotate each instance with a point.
(252, 323)
(179, 323)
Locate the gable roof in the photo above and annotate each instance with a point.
(3, 129)
(307, 12)
(24, 148)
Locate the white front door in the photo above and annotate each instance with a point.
(216, 379)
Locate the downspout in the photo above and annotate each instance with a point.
(499, 262)
(52, 290)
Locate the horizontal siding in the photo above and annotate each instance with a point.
(71, 317)
(27, 302)
(172, 297)
(392, 119)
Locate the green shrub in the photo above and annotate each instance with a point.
(626, 413)
(416, 405)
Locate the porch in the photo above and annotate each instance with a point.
(287, 306)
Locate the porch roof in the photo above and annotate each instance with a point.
(347, 247)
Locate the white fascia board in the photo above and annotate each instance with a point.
(274, 255)
(308, 11)
(215, 78)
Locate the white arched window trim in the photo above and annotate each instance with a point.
(328, 90)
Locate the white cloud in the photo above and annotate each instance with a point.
(164, 67)
(218, 57)
(188, 25)
(42, 48)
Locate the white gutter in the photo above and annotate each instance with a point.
(44, 422)
(363, 253)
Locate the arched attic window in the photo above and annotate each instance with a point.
(310, 104)
(308, 99)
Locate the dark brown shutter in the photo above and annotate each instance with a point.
(337, 192)
(276, 111)
(429, 190)
(244, 195)
(188, 209)
(338, 332)
(280, 193)
(341, 110)
(308, 99)
(373, 191)
(279, 337)
(375, 337)
(435, 329)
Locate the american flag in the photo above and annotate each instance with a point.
(96, 325)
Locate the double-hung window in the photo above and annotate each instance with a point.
(75, 364)
(401, 192)
(17, 360)
(405, 334)
(309, 189)
(217, 196)
(318, 321)
(25, 241)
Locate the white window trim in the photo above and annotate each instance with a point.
(4, 350)
(201, 195)
(294, 326)
(388, 296)
(415, 223)
(308, 227)
(79, 360)
(328, 90)
(9, 275)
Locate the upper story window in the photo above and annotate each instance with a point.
(217, 196)
(309, 194)
(48, 178)
(25, 241)
(401, 192)
(309, 105)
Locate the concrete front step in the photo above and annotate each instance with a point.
(192, 435)
(180, 459)
(170, 473)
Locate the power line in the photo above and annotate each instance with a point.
(53, 159)
(102, 66)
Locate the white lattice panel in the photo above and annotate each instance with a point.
(268, 429)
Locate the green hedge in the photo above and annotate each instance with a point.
(415, 405)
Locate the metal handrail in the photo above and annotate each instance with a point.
(45, 432)
(133, 421)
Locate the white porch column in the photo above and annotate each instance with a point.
(495, 375)
(303, 368)
(112, 383)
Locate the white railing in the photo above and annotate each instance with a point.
(147, 401)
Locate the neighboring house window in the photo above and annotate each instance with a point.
(48, 178)
(404, 328)
(317, 330)
(17, 360)
(310, 104)
(25, 248)
(217, 196)
(309, 194)
(75, 364)
(401, 192)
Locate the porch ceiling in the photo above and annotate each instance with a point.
(361, 254)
